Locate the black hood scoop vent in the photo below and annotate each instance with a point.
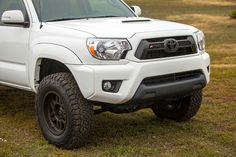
(135, 21)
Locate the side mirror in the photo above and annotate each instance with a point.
(137, 10)
(15, 17)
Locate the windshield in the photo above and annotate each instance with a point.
(58, 10)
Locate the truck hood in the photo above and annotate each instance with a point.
(120, 27)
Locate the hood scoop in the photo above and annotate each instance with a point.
(135, 21)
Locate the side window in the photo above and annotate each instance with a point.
(12, 5)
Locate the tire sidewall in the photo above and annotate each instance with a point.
(53, 139)
(186, 109)
(180, 110)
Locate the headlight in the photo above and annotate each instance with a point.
(201, 40)
(108, 49)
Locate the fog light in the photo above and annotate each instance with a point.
(111, 86)
(107, 85)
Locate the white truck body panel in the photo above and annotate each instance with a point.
(118, 28)
(14, 42)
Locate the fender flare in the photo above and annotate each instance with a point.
(49, 51)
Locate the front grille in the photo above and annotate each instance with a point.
(156, 48)
(170, 78)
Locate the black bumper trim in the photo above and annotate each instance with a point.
(163, 91)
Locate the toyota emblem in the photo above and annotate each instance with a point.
(171, 45)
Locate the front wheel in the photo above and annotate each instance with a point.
(182, 109)
(65, 117)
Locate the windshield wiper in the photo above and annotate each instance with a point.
(105, 16)
(64, 19)
(73, 18)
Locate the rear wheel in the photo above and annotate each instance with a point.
(182, 109)
(65, 117)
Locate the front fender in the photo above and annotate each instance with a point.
(50, 51)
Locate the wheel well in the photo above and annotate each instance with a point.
(47, 67)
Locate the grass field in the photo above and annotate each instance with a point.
(211, 133)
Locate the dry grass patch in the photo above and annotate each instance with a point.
(222, 87)
(224, 47)
(203, 21)
(223, 54)
(223, 65)
(212, 2)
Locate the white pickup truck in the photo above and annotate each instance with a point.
(84, 57)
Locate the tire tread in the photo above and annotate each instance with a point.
(81, 110)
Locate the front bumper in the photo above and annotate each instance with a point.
(185, 86)
(90, 77)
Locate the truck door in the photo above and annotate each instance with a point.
(14, 47)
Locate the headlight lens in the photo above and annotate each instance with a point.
(108, 49)
(201, 40)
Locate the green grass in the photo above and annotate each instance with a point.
(211, 133)
(233, 14)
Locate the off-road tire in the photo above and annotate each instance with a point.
(78, 111)
(185, 109)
